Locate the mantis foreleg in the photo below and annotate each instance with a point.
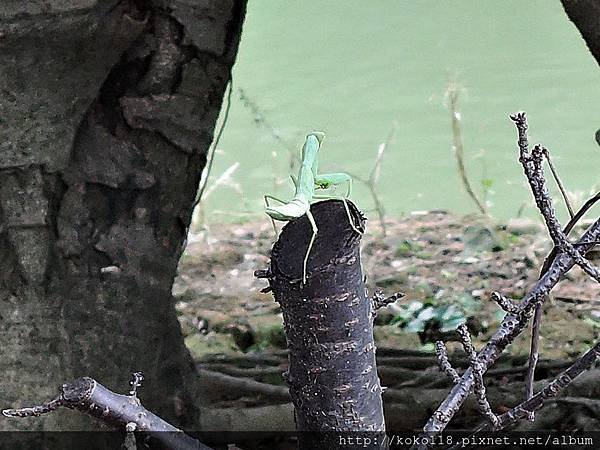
(328, 180)
(313, 224)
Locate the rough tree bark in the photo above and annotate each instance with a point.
(107, 109)
(328, 322)
(585, 14)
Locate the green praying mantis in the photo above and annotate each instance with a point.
(306, 183)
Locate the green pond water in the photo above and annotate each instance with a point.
(356, 69)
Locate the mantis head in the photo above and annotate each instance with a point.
(319, 135)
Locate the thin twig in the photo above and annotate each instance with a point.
(371, 181)
(260, 119)
(511, 326)
(211, 152)
(576, 218)
(225, 179)
(506, 304)
(560, 186)
(458, 145)
(534, 354)
(376, 169)
(444, 362)
(379, 300)
(135, 383)
(35, 411)
(532, 165)
(551, 390)
(479, 388)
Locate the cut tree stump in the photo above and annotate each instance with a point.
(328, 322)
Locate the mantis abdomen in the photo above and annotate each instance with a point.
(295, 208)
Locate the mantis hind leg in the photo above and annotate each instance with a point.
(350, 218)
(346, 208)
(267, 197)
(313, 224)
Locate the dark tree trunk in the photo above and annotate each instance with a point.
(585, 14)
(107, 109)
(329, 326)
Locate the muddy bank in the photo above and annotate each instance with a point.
(446, 265)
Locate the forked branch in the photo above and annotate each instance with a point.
(124, 412)
(563, 257)
(551, 390)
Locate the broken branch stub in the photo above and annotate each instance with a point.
(116, 410)
(328, 325)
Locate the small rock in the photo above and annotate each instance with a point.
(480, 238)
(478, 293)
(448, 275)
(467, 260)
(110, 269)
(520, 226)
(431, 237)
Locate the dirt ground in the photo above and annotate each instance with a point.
(445, 264)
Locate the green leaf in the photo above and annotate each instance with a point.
(427, 314)
(415, 326)
(453, 323)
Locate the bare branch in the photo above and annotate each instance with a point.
(534, 353)
(504, 303)
(117, 410)
(379, 300)
(479, 389)
(560, 186)
(444, 362)
(559, 262)
(532, 163)
(511, 326)
(551, 390)
(35, 411)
